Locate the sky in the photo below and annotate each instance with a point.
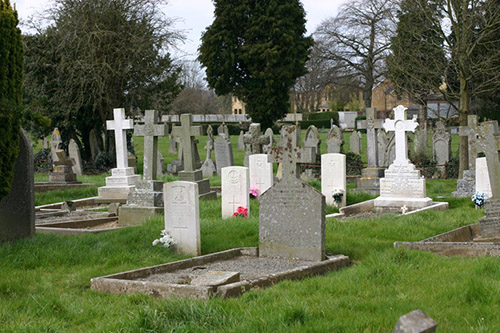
(193, 16)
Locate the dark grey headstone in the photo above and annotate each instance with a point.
(415, 322)
(17, 210)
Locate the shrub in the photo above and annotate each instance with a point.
(354, 164)
(104, 161)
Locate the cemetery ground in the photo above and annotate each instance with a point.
(45, 281)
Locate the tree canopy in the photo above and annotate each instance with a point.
(255, 50)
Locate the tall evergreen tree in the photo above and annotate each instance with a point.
(256, 50)
(11, 77)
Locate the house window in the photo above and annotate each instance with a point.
(235, 111)
(241, 112)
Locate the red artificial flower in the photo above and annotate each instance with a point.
(241, 211)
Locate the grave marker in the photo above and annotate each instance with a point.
(488, 142)
(208, 168)
(235, 182)
(63, 169)
(74, 154)
(254, 141)
(333, 178)
(335, 140)
(483, 184)
(261, 172)
(223, 152)
(55, 144)
(355, 142)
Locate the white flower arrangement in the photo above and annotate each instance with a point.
(337, 195)
(165, 239)
(479, 198)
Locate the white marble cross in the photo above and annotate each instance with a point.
(120, 125)
(400, 125)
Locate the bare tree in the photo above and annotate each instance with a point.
(357, 40)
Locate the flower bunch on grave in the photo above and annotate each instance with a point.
(241, 212)
(479, 198)
(337, 195)
(254, 192)
(165, 239)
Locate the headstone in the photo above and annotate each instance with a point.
(173, 145)
(94, 144)
(176, 165)
(390, 152)
(488, 142)
(45, 143)
(382, 147)
(420, 143)
(223, 130)
(261, 172)
(241, 143)
(415, 322)
(55, 144)
(187, 134)
(482, 177)
(292, 213)
(313, 141)
(63, 170)
(208, 168)
(355, 142)
(17, 209)
(74, 154)
(182, 216)
(254, 140)
(123, 179)
(270, 134)
(489, 225)
(223, 153)
(441, 143)
(235, 182)
(333, 179)
(466, 186)
(335, 140)
(402, 184)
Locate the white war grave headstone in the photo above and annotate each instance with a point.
(182, 216)
(292, 213)
(333, 179)
(235, 190)
(123, 179)
(482, 177)
(402, 184)
(261, 172)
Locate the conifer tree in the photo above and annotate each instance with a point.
(11, 76)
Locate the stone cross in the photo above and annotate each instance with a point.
(120, 125)
(151, 130)
(488, 142)
(400, 125)
(371, 125)
(186, 133)
(290, 154)
(471, 131)
(62, 159)
(255, 139)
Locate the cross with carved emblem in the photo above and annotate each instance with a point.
(400, 125)
(120, 125)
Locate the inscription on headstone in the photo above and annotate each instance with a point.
(235, 190)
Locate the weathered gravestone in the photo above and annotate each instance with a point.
(177, 165)
(55, 144)
(466, 185)
(63, 170)
(335, 140)
(261, 172)
(254, 141)
(187, 133)
(223, 130)
(235, 185)
(223, 152)
(313, 141)
(415, 322)
(441, 144)
(147, 199)
(402, 184)
(208, 167)
(482, 177)
(74, 154)
(182, 216)
(270, 134)
(173, 145)
(333, 179)
(420, 142)
(95, 149)
(292, 213)
(160, 168)
(355, 142)
(123, 179)
(241, 143)
(17, 209)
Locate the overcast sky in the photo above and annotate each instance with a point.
(193, 16)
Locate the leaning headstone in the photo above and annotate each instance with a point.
(355, 142)
(254, 141)
(208, 168)
(441, 144)
(187, 135)
(182, 216)
(402, 184)
(415, 322)
(17, 209)
(241, 143)
(63, 170)
(223, 152)
(123, 179)
(270, 134)
(482, 177)
(335, 140)
(55, 144)
(292, 213)
(333, 179)
(235, 183)
(74, 154)
(261, 173)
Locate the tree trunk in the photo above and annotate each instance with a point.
(462, 117)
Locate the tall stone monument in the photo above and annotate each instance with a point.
(254, 141)
(402, 184)
(17, 209)
(147, 199)
(292, 213)
(123, 179)
(186, 134)
(466, 185)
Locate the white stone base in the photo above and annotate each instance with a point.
(119, 185)
(115, 192)
(395, 203)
